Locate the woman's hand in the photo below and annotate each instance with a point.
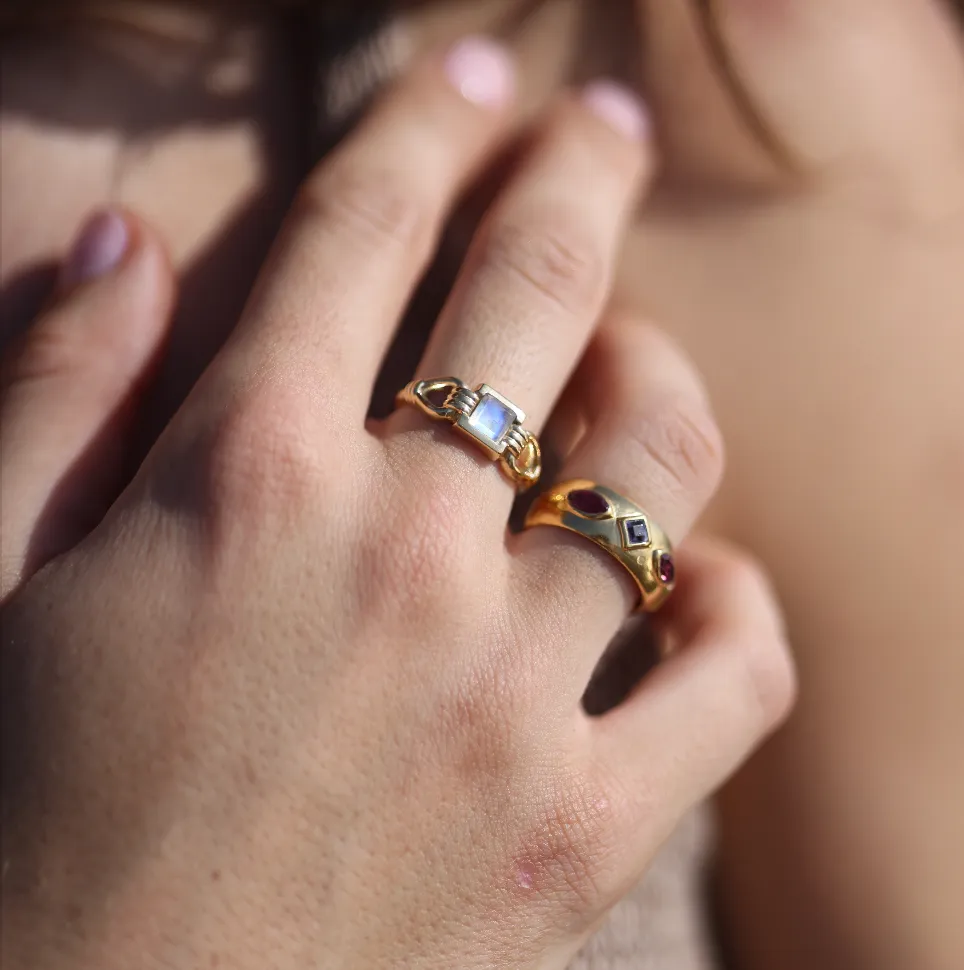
(300, 699)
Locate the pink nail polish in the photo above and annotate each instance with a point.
(482, 71)
(99, 248)
(618, 107)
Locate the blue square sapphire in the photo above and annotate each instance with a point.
(637, 532)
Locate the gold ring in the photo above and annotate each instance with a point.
(484, 416)
(617, 525)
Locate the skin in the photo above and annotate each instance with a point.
(310, 713)
(861, 236)
(842, 844)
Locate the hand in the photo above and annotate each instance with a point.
(299, 699)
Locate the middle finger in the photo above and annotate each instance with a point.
(538, 274)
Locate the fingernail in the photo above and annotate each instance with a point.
(98, 249)
(618, 107)
(482, 71)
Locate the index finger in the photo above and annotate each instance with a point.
(363, 229)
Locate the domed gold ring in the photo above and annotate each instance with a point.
(616, 524)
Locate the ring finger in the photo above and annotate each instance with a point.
(538, 274)
(651, 437)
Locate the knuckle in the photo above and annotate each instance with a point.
(556, 257)
(424, 565)
(569, 854)
(50, 350)
(376, 207)
(747, 573)
(683, 440)
(773, 680)
(263, 455)
(767, 664)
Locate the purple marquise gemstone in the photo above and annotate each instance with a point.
(665, 568)
(587, 502)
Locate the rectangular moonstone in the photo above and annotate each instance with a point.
(491, 419)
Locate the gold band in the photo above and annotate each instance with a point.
(617, 525)
(484, 416)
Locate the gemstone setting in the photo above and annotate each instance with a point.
(491, 419)
(635, 531)
(588, 503)
(665, 568)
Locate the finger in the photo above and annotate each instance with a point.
(851, 79)
(538, 274)
(651, 437)
(700, 714)
(363, 229)
(69, 388)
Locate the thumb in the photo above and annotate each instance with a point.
(69, 389)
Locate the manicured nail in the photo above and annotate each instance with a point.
(618, 107)
(99, 248)
(482, 71)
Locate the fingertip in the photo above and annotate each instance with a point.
(149, 262)
(482, 71)
(778, 683)
(111, 312)
(725, 584)
(727, 602)
(113, 242)
(619, 107)
(611, 125)
(98, 249)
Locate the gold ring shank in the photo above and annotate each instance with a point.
(617, 525)
(486, 418)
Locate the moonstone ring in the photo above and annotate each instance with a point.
(484, 416)
(617, 525)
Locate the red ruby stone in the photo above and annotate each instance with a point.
(587, 502)
(666, 568)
